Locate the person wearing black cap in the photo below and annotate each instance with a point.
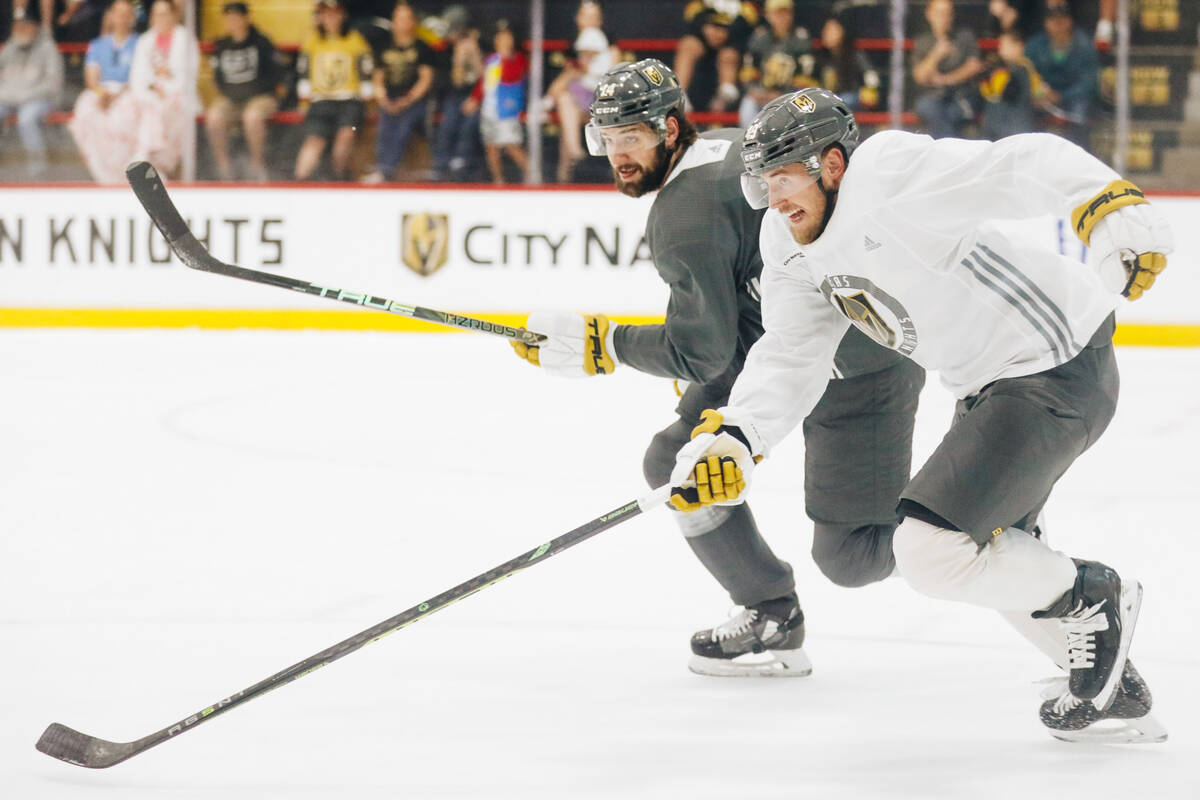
(246, 71)
(708, 55)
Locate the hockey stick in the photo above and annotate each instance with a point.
(74, 747)
(154, 198)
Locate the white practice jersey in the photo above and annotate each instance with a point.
(913, 258)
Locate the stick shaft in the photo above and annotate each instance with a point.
(148, 187)
(77, 748)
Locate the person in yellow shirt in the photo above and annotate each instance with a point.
(335, 69)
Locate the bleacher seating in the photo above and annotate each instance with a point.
(287, 22)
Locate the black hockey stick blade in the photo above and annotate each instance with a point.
(69, 745)
(148, 186)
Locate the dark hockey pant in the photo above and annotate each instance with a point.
(858, 453)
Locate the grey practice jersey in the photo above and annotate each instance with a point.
(703, 238)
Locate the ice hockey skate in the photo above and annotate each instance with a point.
(762, 640)
(1097, 616)
(1127, 721)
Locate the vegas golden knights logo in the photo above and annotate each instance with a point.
(332, 72)
(653, 75)
(805, 104)
(424, 242)
(859, 310)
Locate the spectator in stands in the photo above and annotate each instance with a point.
(105, 121)
(844, 69)
(1067, 61)
(778, 60)
(572, 91)
(945, 62)
(1003, 16)
(40, 12)
(499, 97)
(456, 141)
(1008, 89)
(247, 73)
(1105, 25)
(402, 81)
(31, 79)
(163, 79)
(79, 21)
(335, 69)
(709, 54)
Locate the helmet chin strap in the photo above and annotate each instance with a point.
(830, 202)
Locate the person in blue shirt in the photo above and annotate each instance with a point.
(1067, 62)
(105, 118)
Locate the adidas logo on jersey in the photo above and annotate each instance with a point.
(870, 243)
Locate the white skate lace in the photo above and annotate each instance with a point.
(1057, 689)
(735, 626)
(1081, 629)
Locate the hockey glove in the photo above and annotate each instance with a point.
(576, 345)
(1129, 238)
(714, 467)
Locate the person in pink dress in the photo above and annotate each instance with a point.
(163, 80)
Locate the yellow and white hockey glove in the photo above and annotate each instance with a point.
(1128, 237)
(714, 467)
(576, 345)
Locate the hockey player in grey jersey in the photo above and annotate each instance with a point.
(704, 242)
(899, 237)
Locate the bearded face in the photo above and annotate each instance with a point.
(636, 177)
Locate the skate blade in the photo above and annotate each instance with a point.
(1131, 605)
(1142, 730)
(769, 664)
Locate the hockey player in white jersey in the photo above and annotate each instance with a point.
(899, 237)
(703, 240)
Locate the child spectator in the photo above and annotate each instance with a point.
(335, 69)
(572, 91)
(31, 78)
(401, 82)
(106, 114)
(456, 142)
(163, 79)
(1067, 61)
(1009, 89)
(247, 73)
(945, 62)
(844, 69)
(500, 99)
(778, 60)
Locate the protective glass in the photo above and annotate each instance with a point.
(757, 189)
(614, 141)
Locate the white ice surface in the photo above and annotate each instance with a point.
(184, 513)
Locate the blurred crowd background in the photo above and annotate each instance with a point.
(376, 91)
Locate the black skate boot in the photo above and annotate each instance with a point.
(1097, 615)
(1127, 720)
(763, 640)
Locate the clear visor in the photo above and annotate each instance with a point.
(760, 190)
(614, 141)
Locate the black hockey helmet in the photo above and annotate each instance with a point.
(644, 91)
(794, 129)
